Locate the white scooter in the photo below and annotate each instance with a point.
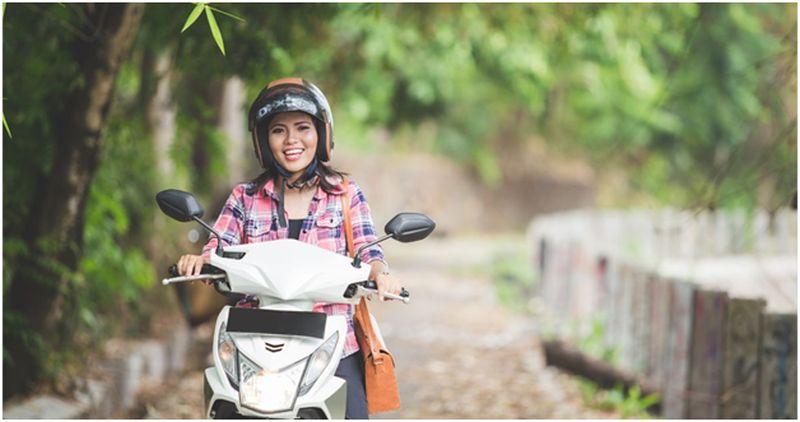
(278, 359)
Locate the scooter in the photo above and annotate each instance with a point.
(277, 359)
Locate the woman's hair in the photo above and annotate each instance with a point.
(324, 171)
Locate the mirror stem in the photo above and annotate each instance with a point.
(214, 232)
(357, 258)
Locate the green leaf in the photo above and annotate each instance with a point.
(227, 14)
(212, 23)
(193, 16)
(5, 125)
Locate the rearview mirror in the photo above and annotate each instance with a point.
(179, 205)
(409, 227)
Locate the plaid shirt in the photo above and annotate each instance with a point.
(254, 218)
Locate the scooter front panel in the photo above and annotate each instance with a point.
(271, 354)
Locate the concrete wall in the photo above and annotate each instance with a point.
(702, 306)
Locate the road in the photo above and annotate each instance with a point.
(459, 353)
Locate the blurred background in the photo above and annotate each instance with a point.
(498, 121)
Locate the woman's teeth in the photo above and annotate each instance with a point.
(292, 154)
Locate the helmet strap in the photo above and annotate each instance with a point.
(308, 178)
(281, 208)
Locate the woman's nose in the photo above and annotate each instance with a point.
(292, 136)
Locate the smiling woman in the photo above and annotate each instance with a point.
(299, 196)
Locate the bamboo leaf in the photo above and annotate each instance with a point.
(227, 13)
(212, 23)
(5, 125)
(193, 16)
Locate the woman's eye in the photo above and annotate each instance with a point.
(277, 130)
(304, 127)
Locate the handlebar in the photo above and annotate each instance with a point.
(208, 272)
(404, 295)
(370, 287)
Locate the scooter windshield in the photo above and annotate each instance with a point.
(288, 270)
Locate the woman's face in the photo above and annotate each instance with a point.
(293, 141)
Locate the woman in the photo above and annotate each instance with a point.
(298, 196)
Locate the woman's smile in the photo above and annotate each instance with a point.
(293, 154)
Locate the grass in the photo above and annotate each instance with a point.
(630, 404)
(514, 280)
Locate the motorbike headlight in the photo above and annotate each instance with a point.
(228, 355)
(269, 391)
(317, 363)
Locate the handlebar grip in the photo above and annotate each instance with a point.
(374, 286)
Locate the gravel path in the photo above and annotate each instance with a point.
(459, 353)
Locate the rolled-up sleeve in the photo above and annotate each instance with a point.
(229, 222)
(363, 228)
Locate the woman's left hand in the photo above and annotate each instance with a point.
(387, 284)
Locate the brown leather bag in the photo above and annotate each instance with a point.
(379, 376)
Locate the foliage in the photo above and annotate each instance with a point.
(687, 102)
(594, 343)
(212, 22)
(628, 404)
(27, 157)
(114, 270)
(514, 280)
(5, 126)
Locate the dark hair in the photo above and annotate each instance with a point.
(324, 171)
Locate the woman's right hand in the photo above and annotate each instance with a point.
(193, 265)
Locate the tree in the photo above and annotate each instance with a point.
(54, 240)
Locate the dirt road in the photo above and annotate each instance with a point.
(459, 353)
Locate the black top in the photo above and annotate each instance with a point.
(294, 228)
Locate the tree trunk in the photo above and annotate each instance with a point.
(205, 109)
(161, 116)
(55, 223)
(570, 359)
(232, 116)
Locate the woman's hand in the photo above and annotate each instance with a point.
(193, 265)
(386, 283)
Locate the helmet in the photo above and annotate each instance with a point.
(290, 94)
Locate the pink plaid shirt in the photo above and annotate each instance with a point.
(254, 218)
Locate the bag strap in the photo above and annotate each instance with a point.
(361, 313)
(348, 224)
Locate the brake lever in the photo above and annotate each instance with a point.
(181, 279)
